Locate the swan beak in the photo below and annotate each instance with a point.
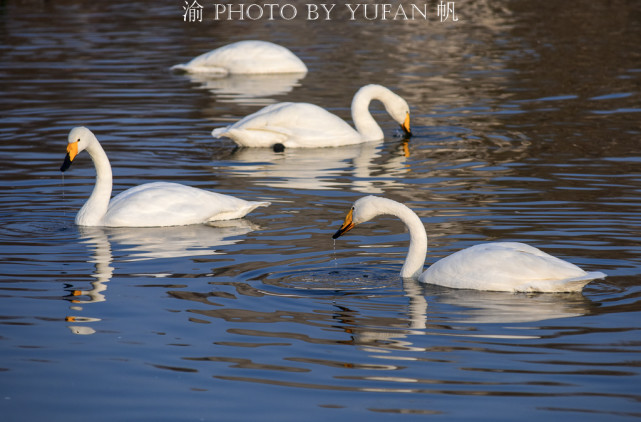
(347, 225)
(72, 151)
(406, 126)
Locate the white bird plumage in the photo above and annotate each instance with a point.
(148, 205)
(245, 57)
(498, 266)
(304, 125)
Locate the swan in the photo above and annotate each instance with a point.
(304, 125)
(245, 57)
(497, 266)
(149, 205)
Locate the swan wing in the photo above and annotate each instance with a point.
(173, 204)
(507, 266)
(295, 125)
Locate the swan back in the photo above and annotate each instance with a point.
(295, 125)
(507, 266)
(161, 204)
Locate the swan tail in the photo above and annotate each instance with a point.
(254, 205)
(179, 68)
(219, 132)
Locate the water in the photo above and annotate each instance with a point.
(526, 122)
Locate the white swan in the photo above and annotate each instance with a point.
(303, 125)
(500, 266)
(148, 205)
(245, 57)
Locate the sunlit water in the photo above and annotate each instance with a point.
(526, 123)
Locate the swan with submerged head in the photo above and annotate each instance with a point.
(245, 57)
(497, 266)
(148, 205)
(304, 125)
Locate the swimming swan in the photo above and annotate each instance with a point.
(245, 57)
(499, 266)
(148, 205)
(303, 125)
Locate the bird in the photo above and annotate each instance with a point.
(245, 57)
(304, 125)
(494, 266)
(149, 205)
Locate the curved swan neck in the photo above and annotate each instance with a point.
(95, 208)
(415, 259)
(363, 120)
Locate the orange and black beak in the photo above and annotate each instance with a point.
(406, 126)
(72, 151)
(348, 224)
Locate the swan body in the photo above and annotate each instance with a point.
(497, 266)
(304, 125)
(148, 205)
(245, 57)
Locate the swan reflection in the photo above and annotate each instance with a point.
(145, 243)
(471, 308)
(480, 307)
(428, 310)
(142, 243)
(256, 90)
(364, 167)
(406, 326)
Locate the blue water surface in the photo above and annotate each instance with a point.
(526, 128)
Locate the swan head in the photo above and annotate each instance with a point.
(400, 112)
(78, 140)
(364, 209)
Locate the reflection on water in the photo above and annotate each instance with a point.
(496, 308)
(145, 243)
(141, 243)
(526, 127)
(301, 168)
(401, 334)
(247, 90)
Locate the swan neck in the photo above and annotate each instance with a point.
(415, 259)
(92, 213)
(363, 120)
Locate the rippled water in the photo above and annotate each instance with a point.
(526, 122)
